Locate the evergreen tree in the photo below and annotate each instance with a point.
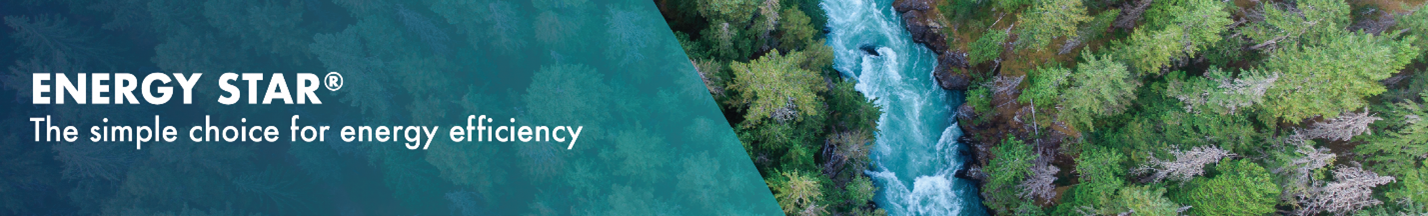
(1145, 200)
(987, 48)
(774, 87)
(1048, 20)
(1311, 22)
(1046, 86)
(797, 32)
(1011, 163)
(1325, 80)
(1175, 30)
(1100, 176)
(1100, 87)
(1401, 139)
(738, 11)
(1417, 26)
(1240, 188)
(798, 193)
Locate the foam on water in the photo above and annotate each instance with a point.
(909, 146)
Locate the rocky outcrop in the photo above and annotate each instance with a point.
(922, 21)
(951, 71)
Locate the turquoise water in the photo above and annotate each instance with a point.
(916, 151)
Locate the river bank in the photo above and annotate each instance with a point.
(928, 26)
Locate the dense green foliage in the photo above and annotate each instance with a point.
(1245, 102)
(1048, 20)
(1101, 175)
(1240, 188)
(1417, 25)
(1257, 106)
(1174, 30)
(775, 87)
(1144, 200)
(987, 48)
(1333, 77)
(1011, 163)
(1099, 87)
(1046, 86)
(1399, 146)
(980, 99)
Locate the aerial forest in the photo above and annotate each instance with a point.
(1099, 107)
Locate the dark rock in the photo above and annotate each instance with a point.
(902, 6)
(870, 49)
(922, 23)
(973, 174)
(951, 72)
(924, 29)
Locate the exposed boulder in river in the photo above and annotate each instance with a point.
(870, 49)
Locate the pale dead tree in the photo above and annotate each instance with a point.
(813, 210)
(769, 10)
(1342, 128)
(1005, 87)
(1352, 189)
(1300, 168)
(1249, 89)
(1253, 15)
(1070, 44)
(1186, 165)
(785, 113)
(1040, 184)
(1312, 158)
(1231, 94)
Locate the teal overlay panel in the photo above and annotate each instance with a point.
(652, 141)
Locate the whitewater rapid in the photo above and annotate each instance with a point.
(916, 152)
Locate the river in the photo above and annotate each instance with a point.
(916, 152)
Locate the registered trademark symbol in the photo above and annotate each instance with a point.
(333, 81)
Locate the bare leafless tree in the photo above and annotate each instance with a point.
(1300, 167)
(1231, 94)
(1070, 44)
(1040, 185)
(1342, 128)
(1186, 165)
(769, 10)
(786, 113)
(1004, 85)
(1312, 159)
(1004, 88)
(1352, 189)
